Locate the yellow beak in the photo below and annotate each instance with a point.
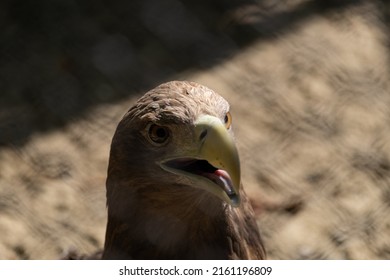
(213, 164)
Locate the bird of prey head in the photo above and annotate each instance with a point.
(173, 185)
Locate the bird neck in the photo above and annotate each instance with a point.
(177, 223)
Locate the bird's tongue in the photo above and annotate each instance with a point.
(222, 179)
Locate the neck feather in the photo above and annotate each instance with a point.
(173, 222)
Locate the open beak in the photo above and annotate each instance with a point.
(213, 163)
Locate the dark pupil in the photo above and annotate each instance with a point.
(226, 118)
(161, 133)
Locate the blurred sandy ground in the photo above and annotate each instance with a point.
(309, 86)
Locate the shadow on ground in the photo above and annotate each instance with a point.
(59, 58)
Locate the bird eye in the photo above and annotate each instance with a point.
(158, 134)
(228, 120)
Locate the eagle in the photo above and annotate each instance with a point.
(173, 183)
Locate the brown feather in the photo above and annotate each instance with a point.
(154, 214)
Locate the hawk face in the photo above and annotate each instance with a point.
(180, 134)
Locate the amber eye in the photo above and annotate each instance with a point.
(158, 134)
(228, 120)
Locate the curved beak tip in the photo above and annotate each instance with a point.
(235, 200)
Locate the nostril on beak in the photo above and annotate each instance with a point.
(203, 135)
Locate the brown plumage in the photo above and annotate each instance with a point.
(173, 185)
